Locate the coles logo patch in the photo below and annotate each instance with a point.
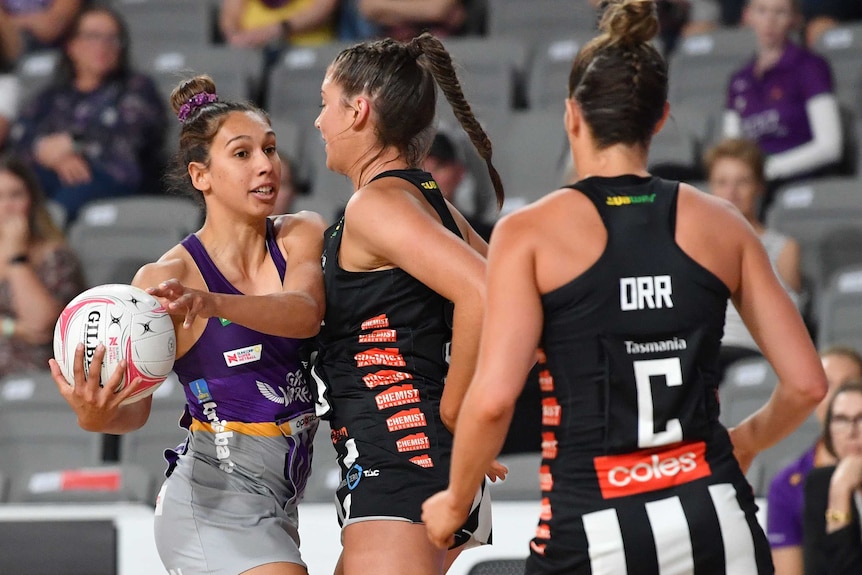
(243, 355)
(650, 470)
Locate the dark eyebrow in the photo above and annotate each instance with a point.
(240, 137)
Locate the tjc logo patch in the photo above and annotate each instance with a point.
(243, 355)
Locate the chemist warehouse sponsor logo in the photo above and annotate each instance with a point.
(650, 470)
(406, 419)
(379, 336)
(414, 442)
(628, 200)
(243, 355)
(398, 395)
(376, 322)
(422, 461)
(388, 356)
(385, 377)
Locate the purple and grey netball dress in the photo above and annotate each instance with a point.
(229, 502)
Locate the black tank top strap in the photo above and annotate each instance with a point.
(424, 181)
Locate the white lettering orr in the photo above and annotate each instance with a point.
(645, 292)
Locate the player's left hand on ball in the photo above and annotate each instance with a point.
(184, 301)
(442, 516)
(94, 404)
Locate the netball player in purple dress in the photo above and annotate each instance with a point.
(228, 505)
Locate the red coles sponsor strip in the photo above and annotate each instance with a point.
(379, 336)
(375, 356)
(546, 381)
(406, 419)
(385, 377)
(546, 480)
(551, 411)
(376, 322)
(549, 445)
(650, 470)
(414, 442)
(398, 395)
(90, 480)
(422, 460)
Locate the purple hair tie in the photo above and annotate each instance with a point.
(195, 102)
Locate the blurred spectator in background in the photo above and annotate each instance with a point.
(785, 499)
(821, 15)
(445, 161)
(97, 131)
(39, 273)
(406, 19)
(39, 23)
(832, 537)
(258, 23)
(735, 173)
(9, 85)
(707, 15)
(783, 99)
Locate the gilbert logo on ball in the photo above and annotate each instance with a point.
(130, 323)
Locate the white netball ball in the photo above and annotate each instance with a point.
(130, 323)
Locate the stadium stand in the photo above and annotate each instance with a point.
(841, 309)
(543, 19)
(842, 46)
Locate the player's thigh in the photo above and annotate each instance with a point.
(385, 547)
(277, 569)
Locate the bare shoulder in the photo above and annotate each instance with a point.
(304, 222)
(538, 219)
(176, 263)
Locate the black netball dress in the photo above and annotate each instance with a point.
(638, 475)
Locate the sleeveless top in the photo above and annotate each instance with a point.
(735, 332)
(384, 345)
(246, 392)
(631, 347)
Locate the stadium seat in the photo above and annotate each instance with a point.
(35, 71)
(701, 66)
(164, 21)
(498, 567)
(548, 73)
(841, 309)
(673, 153)
(329, 191)
(99, 484)
(811, 210)
(236, 71)
(522, 481)
(490, 71)
(38, 429)
(115, 237)
(747, 385)
(530, 152)
(842, 46)
(145, 447)
(293, 84)
(769, 462)
(542, 19)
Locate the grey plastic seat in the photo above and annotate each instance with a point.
(842, 46)
(540, 19)
(115, 237)
(841, 309)
(165, 21)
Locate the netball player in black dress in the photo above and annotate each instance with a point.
(394, 266)
(623, 279)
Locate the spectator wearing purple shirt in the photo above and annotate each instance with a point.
(97, 131)
(785, 500)
(783, 99)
